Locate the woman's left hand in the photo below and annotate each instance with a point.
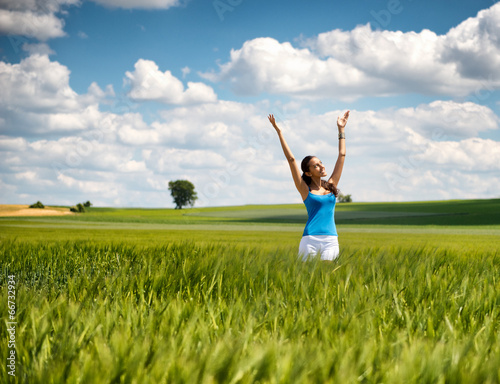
(342, 120)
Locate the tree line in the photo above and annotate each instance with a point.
(182, 191)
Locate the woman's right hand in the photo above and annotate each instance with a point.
(273, 122)
(342, 121)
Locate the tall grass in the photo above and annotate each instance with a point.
(216, 313)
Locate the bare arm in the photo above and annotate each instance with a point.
(339, 165)
(294, 167)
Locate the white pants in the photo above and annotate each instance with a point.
(326, 246)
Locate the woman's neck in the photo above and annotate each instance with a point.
(315, 183)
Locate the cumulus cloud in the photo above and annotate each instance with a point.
(148, 83)
(442, 120)
(33, 18)
(401, 154)
(222, 125)
(17, 144)
(36, 98)
(265, 65)
(42, 27)
(59, 144)
(471, 154)
(364, 62)
(37, 84)
(474, 46)
(232, 155)
(41, 19)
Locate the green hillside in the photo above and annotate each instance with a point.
(453, 212)
(458, 223)
(440, 213)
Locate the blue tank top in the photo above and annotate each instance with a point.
(320, 211)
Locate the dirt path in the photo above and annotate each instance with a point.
(24, 210)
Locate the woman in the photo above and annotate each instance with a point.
(319, 196)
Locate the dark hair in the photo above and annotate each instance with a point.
(305, 168)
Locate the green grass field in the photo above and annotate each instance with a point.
(217, 295)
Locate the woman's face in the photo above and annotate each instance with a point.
(316, 168)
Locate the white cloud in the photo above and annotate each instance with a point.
(470, 155)
(265, 65)
(222, 125)
(390, 156)
(36, 98)
(73, 153)
(363, 62)
(33, 18)
(39, 6)
(42, 27)
(37, 84)
(39, 19)
(180, 161)
(442, 119)
(148, 83)
(107, 189)
(395, 154)
(185, 71)
(9, 144)
(38, 49)
(70, 150)
(133, 166)
(474, 46)
(72, 121)
(130, 135)
(28, 175)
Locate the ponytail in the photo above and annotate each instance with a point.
(330, 187)
(307, 179)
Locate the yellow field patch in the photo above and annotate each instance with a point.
(24, 210)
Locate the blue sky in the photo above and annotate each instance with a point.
(107, 101)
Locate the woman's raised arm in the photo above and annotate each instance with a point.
(294, 167)
(339, 165)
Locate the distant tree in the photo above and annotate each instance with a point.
(38, 204)
(87, 204)
(344, 198)
(79, 208)
(182, 192)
